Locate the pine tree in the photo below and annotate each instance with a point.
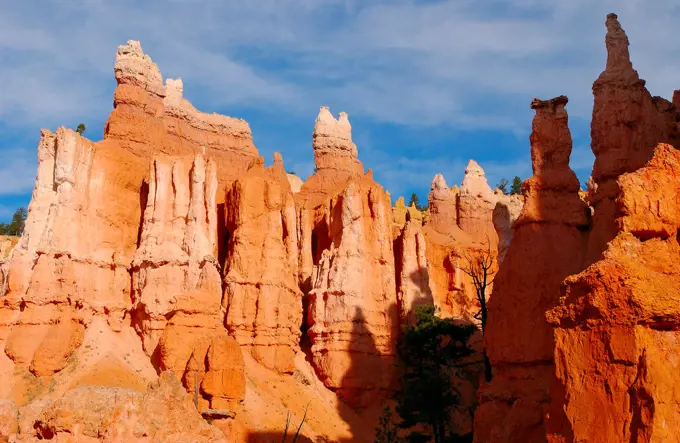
(387, 431)
(428, 351)
(414, 201)
(516, 187)
(16, 226)
(81, 128)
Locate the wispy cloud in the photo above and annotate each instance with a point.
(463, 65)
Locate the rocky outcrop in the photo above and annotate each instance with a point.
(506, 211)
(442, 203)
(347, 269)
(518, 339)
(68, 289)
(476, 204)
(215, 373)
(262, 296)
(335, 158)
(163, 413)
(295, 183)
(627, 124)
(70, 264)
(153, 119)
(353, 316)
(461, 222)
(413, 279)
(618, 322)
(7, 243)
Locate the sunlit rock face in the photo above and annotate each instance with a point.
(582, 317)
(262, 297)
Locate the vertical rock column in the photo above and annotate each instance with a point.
(413, 278)
(353, 314)
(627, 125)
(175, 278)
(262, 297)
(547, 247)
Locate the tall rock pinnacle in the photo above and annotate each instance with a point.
(618, 57)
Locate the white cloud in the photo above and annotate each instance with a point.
(406, 62)
(464, 64)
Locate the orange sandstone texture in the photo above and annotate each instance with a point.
(346, 230)
(461, 220)
(583, 318)
(627, 125)
(547, 247)
(262, 297)
(617, 324)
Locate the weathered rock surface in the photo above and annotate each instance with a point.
(262, 296)
(95, 413)
(547, 247)
(413, 279)
(72, 262)
(617, 324)
(347, 265)
(9, 420)
(627, 125)
(506, 211)
(476, 204)
(335, 158)
(154, 119)
(353, 314)
(7, 243)
(460, 222)
(175, 277)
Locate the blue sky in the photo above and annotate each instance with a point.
(427, 85)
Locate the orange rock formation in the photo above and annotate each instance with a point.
(582, 317)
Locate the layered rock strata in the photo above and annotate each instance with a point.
(347, 267)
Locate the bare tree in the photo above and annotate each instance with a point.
(481, 265)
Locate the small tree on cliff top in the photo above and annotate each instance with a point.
(516, 187)
(81, 128)
(480, 265)
(429, 350)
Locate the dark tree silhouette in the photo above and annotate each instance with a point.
(503, 186)
(480, 265)
(429, 351)
(81, 128)
(516, 187)
(16, 226)
(414, 200)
